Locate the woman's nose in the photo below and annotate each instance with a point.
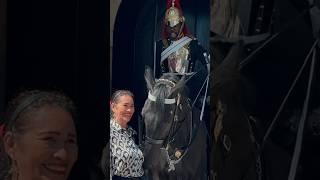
(61, 154)
(130, 109)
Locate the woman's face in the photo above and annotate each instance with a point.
(123, 109)
(47, 148)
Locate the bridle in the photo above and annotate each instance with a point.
(175, 126)
(167, 101)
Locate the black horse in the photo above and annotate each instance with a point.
(175, 144)
(235, 154)
(272, 64)
(237, 131)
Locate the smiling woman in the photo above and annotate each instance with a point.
(126, 157)
(40, 139)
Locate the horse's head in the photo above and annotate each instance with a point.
(167, 103)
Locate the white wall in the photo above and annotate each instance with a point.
(114, 5)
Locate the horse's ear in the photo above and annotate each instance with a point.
(148, 76)
(178, 87)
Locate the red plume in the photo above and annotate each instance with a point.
(176, 4)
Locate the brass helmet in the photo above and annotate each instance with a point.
(173, 15)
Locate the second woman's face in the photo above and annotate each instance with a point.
(47, 148)
(123, 109)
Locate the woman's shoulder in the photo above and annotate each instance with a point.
(114, 126)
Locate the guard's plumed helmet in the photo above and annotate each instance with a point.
(173, 15)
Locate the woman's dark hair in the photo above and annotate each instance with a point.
(18, 109)
(115, 96)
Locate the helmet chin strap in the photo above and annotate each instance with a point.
(180, 34)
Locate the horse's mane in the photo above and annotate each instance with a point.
(162, 91)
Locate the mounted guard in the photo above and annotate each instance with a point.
(180, 53)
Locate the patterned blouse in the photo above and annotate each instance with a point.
(125, 156)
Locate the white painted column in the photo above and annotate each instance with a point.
(114, 6)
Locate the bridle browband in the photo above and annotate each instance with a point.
(166, 101)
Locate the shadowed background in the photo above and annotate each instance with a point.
(60, 45)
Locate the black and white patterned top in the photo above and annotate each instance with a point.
(125, 156)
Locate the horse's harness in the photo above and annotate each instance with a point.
(226, 142)
(178, 155)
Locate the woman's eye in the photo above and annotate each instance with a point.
(72, 141)
(49, 139)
